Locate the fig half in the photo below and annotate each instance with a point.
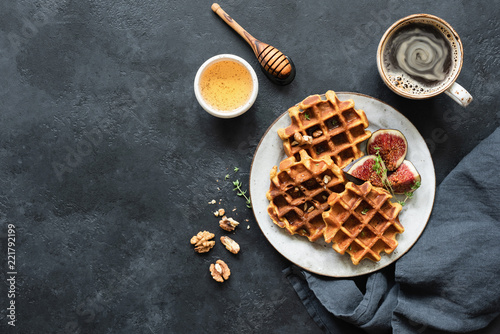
(405, 179)
(391, 145)
(366, 169)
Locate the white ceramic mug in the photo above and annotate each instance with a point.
(421, 56)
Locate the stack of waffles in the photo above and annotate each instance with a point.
(309, 195)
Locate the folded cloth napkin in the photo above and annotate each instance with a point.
(448, 282)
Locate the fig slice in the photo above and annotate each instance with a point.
(365, 169)
(391, 145)
(405, 179)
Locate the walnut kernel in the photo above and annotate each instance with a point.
(307, 140)
(220, 271)
(219, 213)
(228, 224)
(317, 133)
(301, 140)
(298, 138)
(202, 242)
(230, 244)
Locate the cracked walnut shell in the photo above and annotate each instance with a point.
(230, 244)
(220, 271)
(202, 242)
(228, 224)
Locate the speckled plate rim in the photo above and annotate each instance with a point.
(319, 257)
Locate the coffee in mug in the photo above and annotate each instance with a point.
(420, 56)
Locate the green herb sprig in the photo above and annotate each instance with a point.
(382, 173)
(409, 194)
(241, 193)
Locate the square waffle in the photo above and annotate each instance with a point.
(299, 192)
(331, 128)
(363, 222)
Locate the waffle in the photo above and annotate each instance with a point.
(363, 222)
(328, 127)
(299, 192)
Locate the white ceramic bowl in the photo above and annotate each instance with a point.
(233, 113)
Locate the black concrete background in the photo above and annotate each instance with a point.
(107, 162)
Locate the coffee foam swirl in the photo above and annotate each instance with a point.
(421, 55)
(412, 83)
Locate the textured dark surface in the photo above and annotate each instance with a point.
(107, 162)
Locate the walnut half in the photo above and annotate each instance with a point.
(230, 244)
(228, 224)
(202, 242)
(299, 139)
(220, 271)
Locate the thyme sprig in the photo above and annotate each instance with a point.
(242, 193)
(409, 194)
(382, 173)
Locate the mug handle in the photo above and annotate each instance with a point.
(459, 94)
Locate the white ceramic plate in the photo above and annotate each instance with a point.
(319, 257)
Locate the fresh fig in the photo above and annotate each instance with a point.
(391, 145)
(367, 169)
(405, 179)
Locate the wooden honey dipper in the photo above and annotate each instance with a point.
(277, 67)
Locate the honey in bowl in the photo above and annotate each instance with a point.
(226, 85)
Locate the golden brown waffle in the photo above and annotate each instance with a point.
(299, 192)
(363, 222)
(326, 128)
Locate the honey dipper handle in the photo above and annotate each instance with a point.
(236, 27)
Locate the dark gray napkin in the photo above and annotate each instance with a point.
(448, 282)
